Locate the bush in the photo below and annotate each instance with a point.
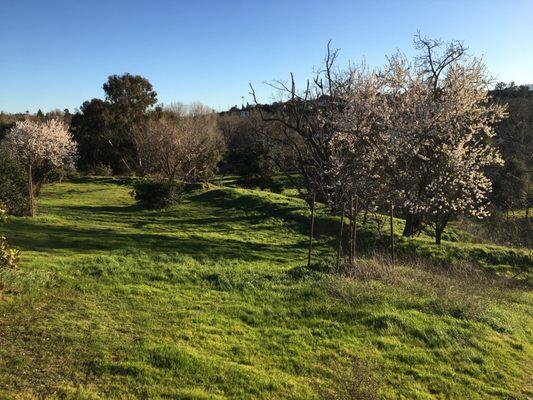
(61, 173)
(13, 186)
(8, 257)
(155, 194)
(261, 182)
(101, 170)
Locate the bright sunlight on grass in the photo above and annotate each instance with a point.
(208, 299)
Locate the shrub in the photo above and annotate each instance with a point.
(101, 170)
(13, 186)
(261, 182)
(156, 194)
(8, 257)
(60, 173)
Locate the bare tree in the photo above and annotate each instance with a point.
(183, 143)
(303, 125)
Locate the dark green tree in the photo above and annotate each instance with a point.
(514, 138)
(106, 130)
(91, 128)
(130, 99)
(13, 185)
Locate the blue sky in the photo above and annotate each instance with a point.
(57, 54)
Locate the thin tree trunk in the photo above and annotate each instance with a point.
(31, 203)
(527, 205)
(392, 231)
(350, 257)
(355, 227)
(438, 235)
(339, 250)
(439, 228)
(311, 231)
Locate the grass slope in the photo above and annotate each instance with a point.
(203, 301)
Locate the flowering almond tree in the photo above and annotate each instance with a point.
(425, 130)
(357, 149)
(442, 125)
(40, 147)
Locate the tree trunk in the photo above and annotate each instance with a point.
(527, 203)
(438, 234)
(439, 227)
(412, 225)
(356, 211)
(392, 231)
(311, 231)
(339, 250)
(350, 245)
(31, 201)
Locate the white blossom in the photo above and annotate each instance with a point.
(39, 143)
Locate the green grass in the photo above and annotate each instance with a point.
(208, 300)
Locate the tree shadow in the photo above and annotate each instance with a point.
(295, 216)
(108, 180)
(28, 236)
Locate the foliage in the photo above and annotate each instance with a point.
(156, 194)
(514, 138)
(101, 170)
(13, 185)
(106, 129)
(510, 228)
(8, 257)
(91, 128)
(197, 301)
(249, 152)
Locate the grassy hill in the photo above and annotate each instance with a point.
(208, 300)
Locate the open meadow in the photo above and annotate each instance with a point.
(209, 299)
(280, 200)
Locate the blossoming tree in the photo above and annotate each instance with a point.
(40, 147)
(433, 124)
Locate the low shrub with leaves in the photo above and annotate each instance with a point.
(101, 170)
(8, 256)
(155, 194)
(13, 186)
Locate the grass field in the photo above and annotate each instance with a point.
(209, 300)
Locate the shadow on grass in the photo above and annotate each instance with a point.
(134, 208)
(296, 216)
(103, 180)
(29, 236)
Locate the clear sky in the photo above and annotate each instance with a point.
(57, 54)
